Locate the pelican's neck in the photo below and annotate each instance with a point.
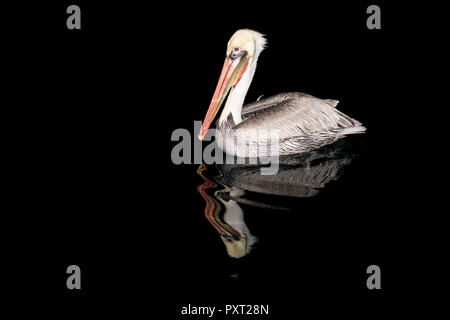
(237, 95)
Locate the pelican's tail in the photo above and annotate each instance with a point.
(356, 129)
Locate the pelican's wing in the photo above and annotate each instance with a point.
(294, 114)
(250, 109)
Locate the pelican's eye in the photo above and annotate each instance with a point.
(237, 53)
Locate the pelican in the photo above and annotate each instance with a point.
(301, 122)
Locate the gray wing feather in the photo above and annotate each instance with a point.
(294, 114)
(250, 109)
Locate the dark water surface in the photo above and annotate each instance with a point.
(321, 246)
(88, 178)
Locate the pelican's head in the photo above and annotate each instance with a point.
(246, 42)
(243, 50)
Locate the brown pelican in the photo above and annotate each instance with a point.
(301, 122)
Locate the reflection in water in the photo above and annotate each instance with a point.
(212, 208)
(234, 216)
(299, 176)
(232, 230)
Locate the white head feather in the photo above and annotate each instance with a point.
(249, 40)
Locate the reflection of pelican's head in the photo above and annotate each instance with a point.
(236, 248)
(234, 216)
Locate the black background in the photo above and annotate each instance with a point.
(88, 176)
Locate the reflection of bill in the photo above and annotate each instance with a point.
(213, 208)
(233, 231)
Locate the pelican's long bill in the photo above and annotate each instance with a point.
(232, 71)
